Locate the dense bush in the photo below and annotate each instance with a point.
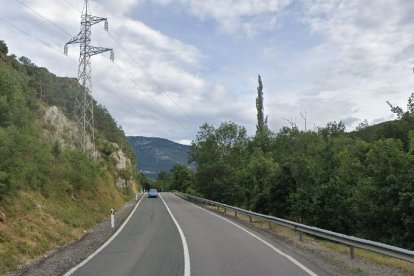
(28, 162)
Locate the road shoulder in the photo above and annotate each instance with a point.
(63, 259)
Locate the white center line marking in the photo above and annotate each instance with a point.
(187, 271)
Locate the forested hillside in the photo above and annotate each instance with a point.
(157, 154)
(359, 183)
(51, 193)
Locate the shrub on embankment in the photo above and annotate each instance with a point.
(50, 193)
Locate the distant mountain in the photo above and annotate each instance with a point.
(158, 154)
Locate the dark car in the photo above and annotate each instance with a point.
(152, 193)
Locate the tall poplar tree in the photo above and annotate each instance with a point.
(261, 121)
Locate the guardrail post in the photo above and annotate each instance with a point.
(300, 236)
(250, 219)
(225, 210)
(270, 225)
(235, 213)
(352, 252)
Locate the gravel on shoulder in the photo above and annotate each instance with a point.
(63, 259)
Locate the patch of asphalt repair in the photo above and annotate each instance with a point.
(63, 259)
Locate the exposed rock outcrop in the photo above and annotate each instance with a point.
(123, 167)
(58, 128)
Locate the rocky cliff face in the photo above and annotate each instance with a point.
(58, 128)
(123, 166)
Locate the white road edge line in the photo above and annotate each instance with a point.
(293, 260)
(187, 271)
(70, 272)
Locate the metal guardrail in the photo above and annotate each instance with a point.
(351, 241)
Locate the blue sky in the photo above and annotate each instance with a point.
(189, 61)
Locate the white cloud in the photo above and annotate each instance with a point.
(248, 16)
(140, 33)
(365, 51)
(363, 56)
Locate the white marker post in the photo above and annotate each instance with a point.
(136, 197)
(112, 218)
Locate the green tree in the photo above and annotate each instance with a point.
(3, 48)
(163, 182)
(182, 178)
(261, 121)
(218, 153)
(333, 128)
(261, 173)
(389, 173)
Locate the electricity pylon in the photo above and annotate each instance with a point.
(83, 101)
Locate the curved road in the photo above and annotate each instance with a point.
(150, 244)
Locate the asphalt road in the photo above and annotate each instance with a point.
(218, 247)
(150, 244)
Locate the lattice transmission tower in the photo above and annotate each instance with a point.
(83, 109)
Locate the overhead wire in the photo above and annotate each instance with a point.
(45, 18)
(73, 6)
(156, 83)
(149, 76)
(97, 83)
(24, 32)
(119, 68)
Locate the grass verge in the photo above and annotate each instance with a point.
(33, 224)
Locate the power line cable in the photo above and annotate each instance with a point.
(150, 77)
(134, 82)
(54, 24)
(24, 32)
(45, 18)
(98, 83)
(73, 6)
(146, 72)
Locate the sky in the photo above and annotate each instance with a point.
(181, 63)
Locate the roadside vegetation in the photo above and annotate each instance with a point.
(49, 195)
(357, 183)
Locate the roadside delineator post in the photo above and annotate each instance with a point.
(112, 218)
(136, 197)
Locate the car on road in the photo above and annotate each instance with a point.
(152, 193)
